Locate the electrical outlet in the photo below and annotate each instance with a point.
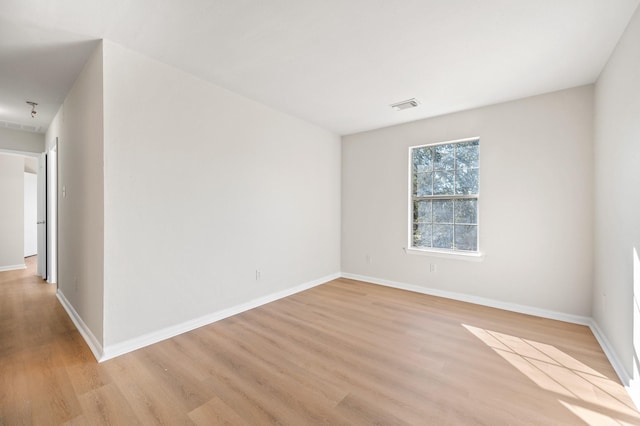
(368, 259)
(433, 267)
(75, 283)
(258, 275)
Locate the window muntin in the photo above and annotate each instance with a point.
(444, 196)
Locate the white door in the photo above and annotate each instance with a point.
(42, 216)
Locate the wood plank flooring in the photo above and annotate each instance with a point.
(342, 353)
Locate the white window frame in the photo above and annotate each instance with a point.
(439, 252)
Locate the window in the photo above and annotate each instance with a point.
(444, 196)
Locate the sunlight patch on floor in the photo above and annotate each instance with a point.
(585, 392)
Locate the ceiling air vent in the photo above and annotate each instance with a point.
(409, 103)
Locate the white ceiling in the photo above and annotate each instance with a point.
(336, 63)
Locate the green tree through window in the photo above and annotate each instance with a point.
(445, 188)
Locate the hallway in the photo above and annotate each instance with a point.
(40, 351)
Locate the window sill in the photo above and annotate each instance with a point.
(470, 257)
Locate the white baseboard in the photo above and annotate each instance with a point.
(85, 332)
(112, 351)
(13, 267)
(523, 309)
(632, 386)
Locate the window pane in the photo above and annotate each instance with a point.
(422, 211)
(444, 158)
(422, 235)
(443, 183)
(443, 211)
(423, 184)
(423, 159)
(467, 155)
(414, 184)
(466, 211)
(466, 237)
(443, 236)
(467, 181)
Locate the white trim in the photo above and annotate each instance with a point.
(12, 267)
(85, 332)
(112, 351)
(507, 306)
(632, 386)
(454, 255)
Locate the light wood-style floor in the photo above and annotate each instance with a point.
(341, 353)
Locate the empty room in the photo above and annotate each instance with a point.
(319, 212)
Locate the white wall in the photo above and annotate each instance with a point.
(535, 203)
(11, 212)
(617, 186)
(203, 187)
(30, 214)
(79, 126)
(19, 141)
